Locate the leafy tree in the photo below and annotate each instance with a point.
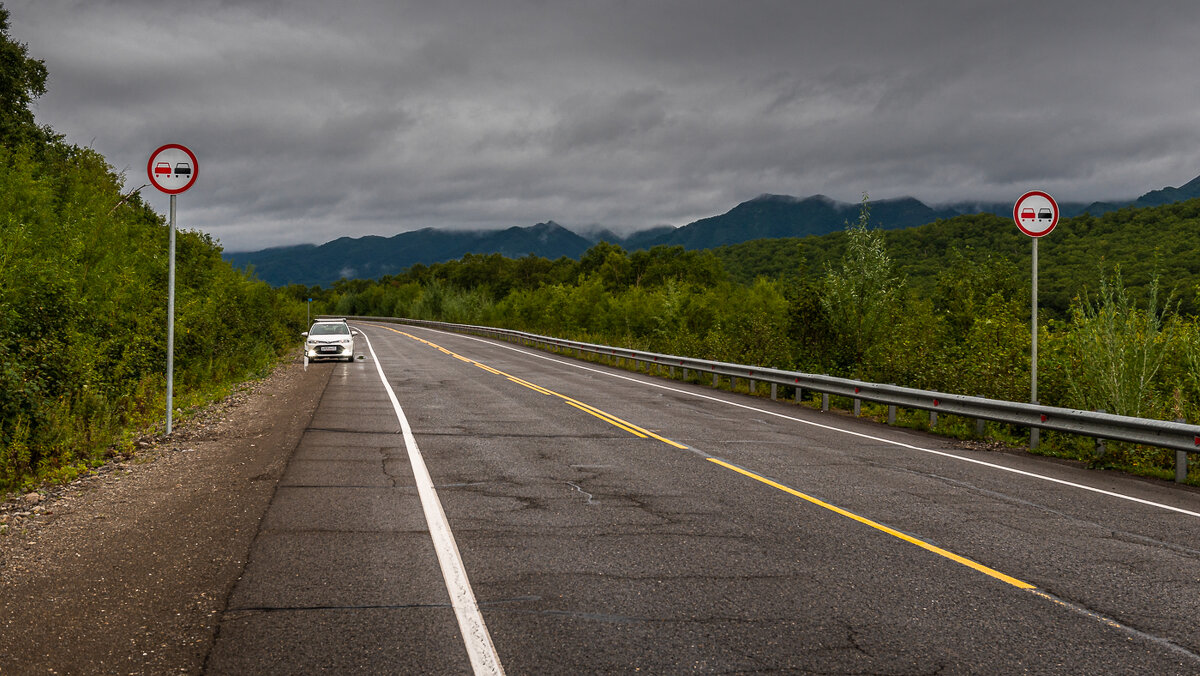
(1118, 349)
(609, 263)
(862, 297)
(22, 80)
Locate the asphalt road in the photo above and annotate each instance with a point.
(609, 522)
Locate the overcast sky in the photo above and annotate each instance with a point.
(313, 120)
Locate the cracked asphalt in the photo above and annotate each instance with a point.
(594, 548)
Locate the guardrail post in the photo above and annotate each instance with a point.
(672, 373)
(1181, 462)
(1101, 445)
(824, 401)
(716, 379)
(1035, 436)
(774, 391)
(799, 395)
(753, 386)
(891, 414)
(979, 424)
(932, 419)
(857, 407)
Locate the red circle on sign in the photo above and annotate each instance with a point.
(1036, 213)
(172, 176)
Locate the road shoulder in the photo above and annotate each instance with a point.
(128, 571)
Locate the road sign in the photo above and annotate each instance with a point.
(1036, 213)
(172, 168)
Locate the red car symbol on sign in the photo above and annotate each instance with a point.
(1027, 214)
(162, 169)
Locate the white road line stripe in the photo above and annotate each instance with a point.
(901, 444)
(482, 652)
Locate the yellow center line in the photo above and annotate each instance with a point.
(642, 431)
(638, 431)
(878, 526)
(591, 410)
(530, 385)
(611, 421)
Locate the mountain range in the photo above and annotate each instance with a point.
(764, 217)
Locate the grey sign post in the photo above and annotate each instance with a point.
(172, 169)
(1036, 214)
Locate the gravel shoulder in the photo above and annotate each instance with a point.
(127, 571)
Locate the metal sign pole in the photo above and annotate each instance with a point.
(171, 320)
(1033, 355)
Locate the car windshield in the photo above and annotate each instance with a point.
(329, 329)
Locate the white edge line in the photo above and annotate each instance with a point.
(478, 641)
(901, 444)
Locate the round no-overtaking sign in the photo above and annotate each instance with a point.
(172, 168)
(1036, 213)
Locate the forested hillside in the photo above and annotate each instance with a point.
(942, 307)
(1142, 242)
(741, 229)
(83, 293)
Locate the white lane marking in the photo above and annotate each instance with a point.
(482, 652)
(881, 440)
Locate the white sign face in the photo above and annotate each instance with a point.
(1036, 213)
(172, 169)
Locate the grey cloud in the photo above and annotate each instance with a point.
(587, 120)
(313, 121)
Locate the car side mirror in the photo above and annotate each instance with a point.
(305, 334)
(353, 333)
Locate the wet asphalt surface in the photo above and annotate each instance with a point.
(593, 550)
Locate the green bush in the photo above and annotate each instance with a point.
(83, 288)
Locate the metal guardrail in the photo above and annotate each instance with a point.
(1181, 437)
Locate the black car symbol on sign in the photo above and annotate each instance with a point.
(183, 169)
(1045, 214)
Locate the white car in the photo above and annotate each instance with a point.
(329, 339)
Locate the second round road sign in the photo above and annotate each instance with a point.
(172, 168)
(1036, 213)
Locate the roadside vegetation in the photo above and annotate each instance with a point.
(83, 294)
(918, 308)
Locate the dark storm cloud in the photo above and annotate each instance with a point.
(313, 121)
